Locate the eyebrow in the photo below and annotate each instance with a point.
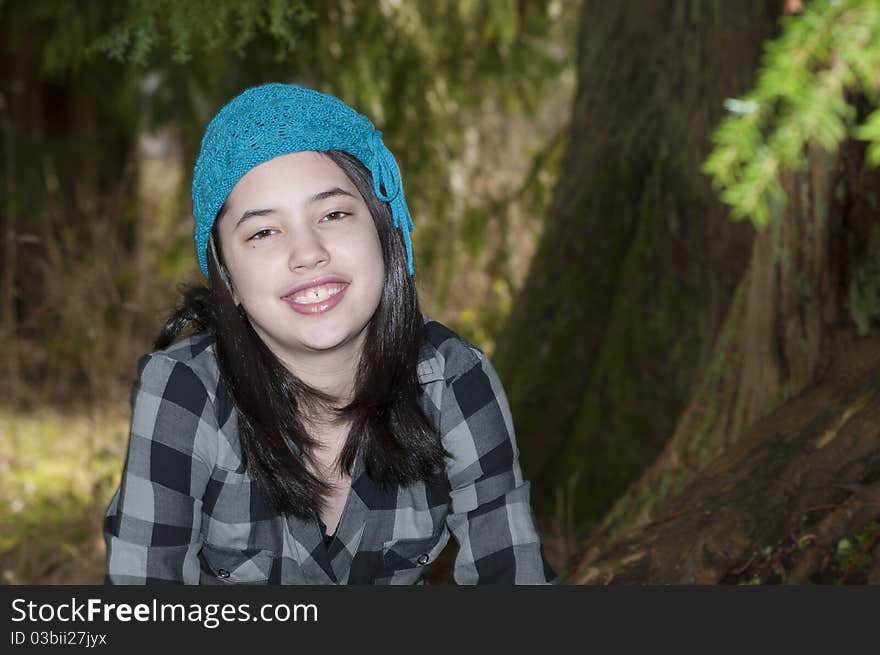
(323, 195)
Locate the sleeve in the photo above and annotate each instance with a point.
(152, 526)
(490, 516)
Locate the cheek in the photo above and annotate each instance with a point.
(377, 264)
(247, 279)
(377, 253)
(362, 250)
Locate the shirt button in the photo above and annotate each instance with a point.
(223, 573)
(423, 559)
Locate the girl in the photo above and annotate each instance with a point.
(313, 427)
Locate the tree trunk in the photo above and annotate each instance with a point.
(8, 310)
(782, 502)
(638, 263)
(801, 302)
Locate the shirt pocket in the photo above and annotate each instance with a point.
(404, 560)
(234, 566)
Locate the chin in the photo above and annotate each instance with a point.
(329, 338)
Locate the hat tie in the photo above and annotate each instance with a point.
(388, 187)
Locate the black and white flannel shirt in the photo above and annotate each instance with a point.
(186, 510)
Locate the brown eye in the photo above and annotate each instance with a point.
(335, 215)
(262, 234)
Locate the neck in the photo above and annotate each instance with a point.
(332, 372)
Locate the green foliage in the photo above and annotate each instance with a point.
(75, 33)
(870, 131)
(805, 95)
(418, 68)
(199, 26)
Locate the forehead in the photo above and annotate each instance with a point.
(293, 176)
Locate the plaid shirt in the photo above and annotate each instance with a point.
(186, 510)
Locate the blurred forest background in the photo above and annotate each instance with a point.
(660, 219)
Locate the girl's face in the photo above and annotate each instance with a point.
(303, 255)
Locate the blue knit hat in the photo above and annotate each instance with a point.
(276, 119)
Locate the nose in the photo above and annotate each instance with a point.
(307, 250)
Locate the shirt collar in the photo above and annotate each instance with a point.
(430, 368)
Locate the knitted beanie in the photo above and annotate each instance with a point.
(270, 120)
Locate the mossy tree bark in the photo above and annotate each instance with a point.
(811, 293)
(811, 287)
(781, 502)
(638, 262)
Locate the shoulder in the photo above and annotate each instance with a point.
(194, 354)
(445, 354)
(175, 408)
(185, 373)
(474, 418)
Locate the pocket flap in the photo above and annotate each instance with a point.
(411, 553)
(233, 566)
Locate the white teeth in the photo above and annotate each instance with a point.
(318, 294)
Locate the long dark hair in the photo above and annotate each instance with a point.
(400, 446)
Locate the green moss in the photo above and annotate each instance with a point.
(615, 320)
(702, 443)
(626, 413)
(756, 580)
(540, 356)
(864, 290)
(853, 555)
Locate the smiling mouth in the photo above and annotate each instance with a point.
(315, 295)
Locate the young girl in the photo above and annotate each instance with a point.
(314, 427)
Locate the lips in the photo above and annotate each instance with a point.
(334, 285)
